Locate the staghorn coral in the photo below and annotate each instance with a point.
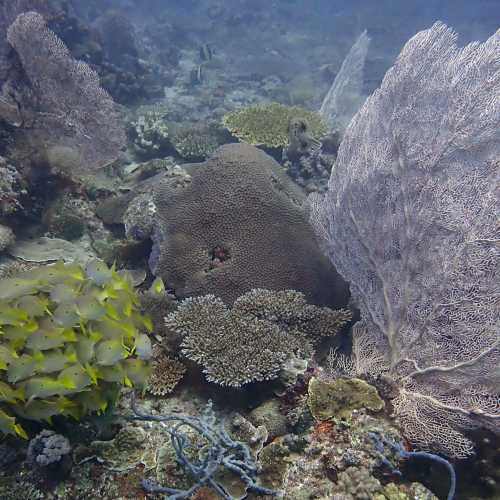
(166, 373)
(72, 110)
(237, 222)
(411, 220)
(267, 124)
(248, 343)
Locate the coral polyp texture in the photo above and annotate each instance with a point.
(234, 223)
(411, 221)
(251, 341)
(69, 338)
(267, 124)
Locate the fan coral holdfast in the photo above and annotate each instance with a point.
(222, 452)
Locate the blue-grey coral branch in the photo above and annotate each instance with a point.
(222, 452)
(384, 445)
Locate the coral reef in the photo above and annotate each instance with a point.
(304, 160)
(419, 212)
(267, 124)
(338, 399)
(219, 452)
(253, 340)
(126, 450)
(237, 222)
(232, 349)
(342, 461)
(268, 414)
(70, 338)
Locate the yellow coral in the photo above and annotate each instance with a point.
(267, 124)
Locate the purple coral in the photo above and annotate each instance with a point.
(411, 221)
(72, 110)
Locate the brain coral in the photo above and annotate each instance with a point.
(239, 223)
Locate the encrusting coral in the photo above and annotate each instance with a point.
(339, 398)
(251, 341)
(70, 337)
(267, 124)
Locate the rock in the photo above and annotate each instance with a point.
(339, 398)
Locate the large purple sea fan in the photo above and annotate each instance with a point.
(72, 110)
(411, 220)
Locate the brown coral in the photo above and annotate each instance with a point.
(240, 205)
(167, 372)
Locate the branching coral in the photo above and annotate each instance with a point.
(166, 373)
(221, 452)
(251, 341)
(411, 221)
(267, 124)
(151, 133)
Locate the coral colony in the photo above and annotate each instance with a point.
(261, 205)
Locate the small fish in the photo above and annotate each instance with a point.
(108, 352)
(137, 370)
(143, 347)
(85, 349)
(66, 315)
(76, 375)
(98, 272)
(206, 52)
(12, 315)
(157, 288)
(48, 336)
(196, 75)
(35, 306)
(10, 395)
(8, 426)
(89, 309)
(24, 367)
(52, 361)
(63, 293)
(44, 387)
